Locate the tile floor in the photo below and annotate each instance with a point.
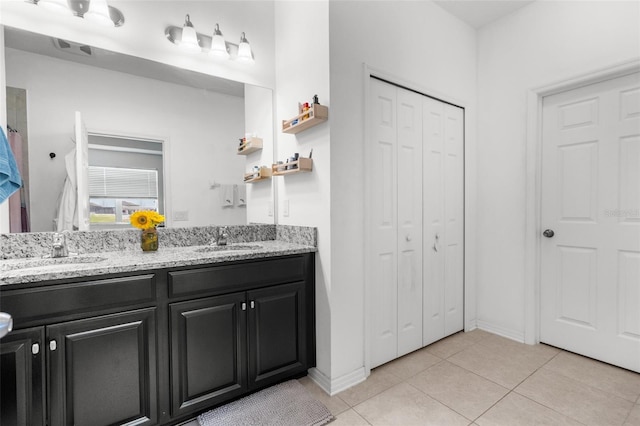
(479, 379)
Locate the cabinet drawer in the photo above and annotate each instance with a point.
(236, 277)
(44, 304)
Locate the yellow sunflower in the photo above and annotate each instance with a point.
(146, 219)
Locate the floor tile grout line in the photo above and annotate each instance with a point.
(440, 402)
(550, 408)
(494, 404)
(628, 414)
(562, 373)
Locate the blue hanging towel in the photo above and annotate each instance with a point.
(10, 180)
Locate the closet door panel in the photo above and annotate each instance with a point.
(383, 288)
(409, 221)
(433, 218)
(454, 214)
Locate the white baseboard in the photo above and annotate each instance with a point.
(518, 336)
(333, 386)
(470, 325)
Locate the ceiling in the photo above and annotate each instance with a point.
(88, 55)
(478, 13)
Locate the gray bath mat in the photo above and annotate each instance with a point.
(286, 404)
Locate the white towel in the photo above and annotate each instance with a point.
(67, 214)
(242, 195)
(226, 195)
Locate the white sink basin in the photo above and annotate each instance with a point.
(49, 263)
(230, 247)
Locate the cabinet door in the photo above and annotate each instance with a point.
(22, 390)
(208, 347)
(103, 371)
(277, 336)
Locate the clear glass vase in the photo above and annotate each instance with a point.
(149, 239)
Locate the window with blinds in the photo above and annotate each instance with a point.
(116, 182)
(116, 192)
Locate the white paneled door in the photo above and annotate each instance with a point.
(396, 222)
(416, 221)
(590, 216)
(443, 142)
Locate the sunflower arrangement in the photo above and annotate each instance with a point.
(146, 219)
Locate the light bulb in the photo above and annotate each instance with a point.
(218, 45)
(189, 40)
(58, 6)
(244, 50)
(99, 13)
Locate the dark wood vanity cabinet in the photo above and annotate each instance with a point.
(154, 348)
(98, 369)
(208, 352)
(102, 371)
(225, 346)
(22, 380)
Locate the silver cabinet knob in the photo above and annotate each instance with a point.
(53, 345)
(6, 324)
(35, 349)
(408, 238)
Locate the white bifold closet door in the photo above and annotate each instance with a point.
(396, 222)
(443, 144)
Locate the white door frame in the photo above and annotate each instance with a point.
(533, 183)
(469, 204)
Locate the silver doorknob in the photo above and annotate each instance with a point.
(548, 233)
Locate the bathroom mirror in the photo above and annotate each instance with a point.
(133, 107)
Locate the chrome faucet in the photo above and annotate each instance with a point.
(221, 240)
(59, 246)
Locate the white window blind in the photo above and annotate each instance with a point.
(116, 182)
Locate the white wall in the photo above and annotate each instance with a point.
(302, 55)
(425, 47)
(540, 44)
(258, 113)
(4, 206)
(201, 128)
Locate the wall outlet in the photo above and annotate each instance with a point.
(285, 208)
(270, 210)
(180, 215)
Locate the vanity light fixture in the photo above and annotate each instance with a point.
(215, 45)
(97, 11)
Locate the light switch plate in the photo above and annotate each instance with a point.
(181, 215)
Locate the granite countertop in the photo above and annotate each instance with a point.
(33, 270)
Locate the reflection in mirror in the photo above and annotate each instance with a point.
(125, 175)
(192, 121)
